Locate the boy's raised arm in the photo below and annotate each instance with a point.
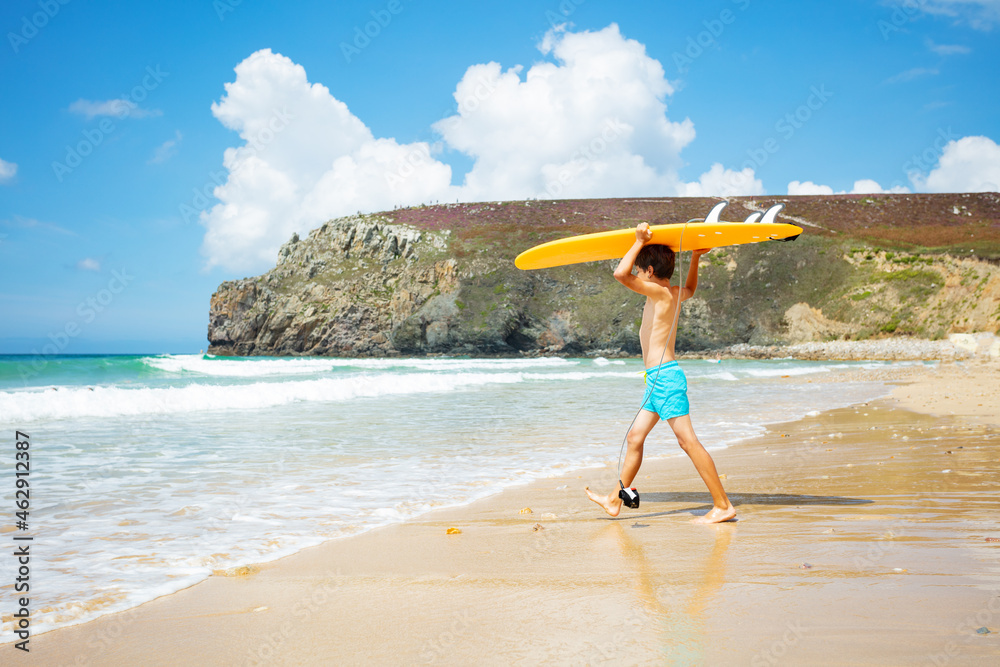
(623, 272)
(692, 278)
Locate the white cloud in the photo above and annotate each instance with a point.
(970, 164)
(120, 108)
(590, 123)
(911, 74)
(21, 222)
(88, 264)
(808, 188)
(593, 123)
(865, 186)
(305, 159)
(947, 49)
(167, 149)
(7, 171)
(979, 14)
(720, 182)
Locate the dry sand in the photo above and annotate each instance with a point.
(864, 538)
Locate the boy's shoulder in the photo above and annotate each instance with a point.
(664, 293)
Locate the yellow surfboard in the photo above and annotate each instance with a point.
(711, 233)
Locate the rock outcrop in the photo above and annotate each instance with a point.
(441, 280)
(365, 287)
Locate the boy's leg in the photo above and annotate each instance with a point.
(723, 510)
(636, 438)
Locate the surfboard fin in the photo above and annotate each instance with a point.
(754, 217)
(772, 213)
(713, 215)
(789, 238)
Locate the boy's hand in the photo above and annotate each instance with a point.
(643, 233)
(702, 251)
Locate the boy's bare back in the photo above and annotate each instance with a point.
(657, 334)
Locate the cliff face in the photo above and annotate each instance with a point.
(441, 280)
(365, 287)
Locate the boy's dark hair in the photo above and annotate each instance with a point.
(660, 257)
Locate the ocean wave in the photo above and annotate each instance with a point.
(32, 405)
(601, 361)
(256, 367)
(724, 375)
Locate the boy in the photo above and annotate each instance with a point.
(666, 389)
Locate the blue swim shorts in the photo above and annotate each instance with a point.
(666, 391)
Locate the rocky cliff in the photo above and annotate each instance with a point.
(441, 280)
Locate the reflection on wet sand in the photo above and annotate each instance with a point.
(679, 626)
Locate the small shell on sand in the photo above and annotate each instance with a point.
(722, 476)
(526, 510)
(537, 527)
(453, 531)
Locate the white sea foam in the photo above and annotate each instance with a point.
(224, 367)
(72, 402)
(724, 375)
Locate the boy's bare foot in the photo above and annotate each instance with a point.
(717, 515)
(611, 503)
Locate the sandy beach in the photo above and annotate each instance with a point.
(866, 535)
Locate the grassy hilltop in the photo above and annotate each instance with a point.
(865, 266)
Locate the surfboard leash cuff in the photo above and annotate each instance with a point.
(630, 497)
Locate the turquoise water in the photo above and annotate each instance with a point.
(150, 472)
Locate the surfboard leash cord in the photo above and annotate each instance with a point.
(628, 497)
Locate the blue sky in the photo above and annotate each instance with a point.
(123, 246)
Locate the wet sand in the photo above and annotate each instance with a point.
(862, 539)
